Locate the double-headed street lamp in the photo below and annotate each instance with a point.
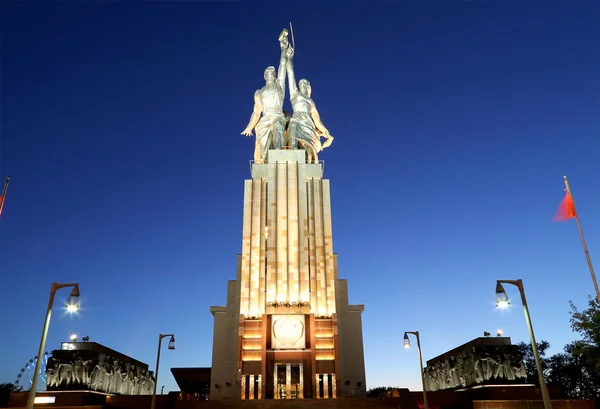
(503, 301)
(407, 345)
(72, 306)
(171, 346)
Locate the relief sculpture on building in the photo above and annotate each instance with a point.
(86, 370)
(476, 365)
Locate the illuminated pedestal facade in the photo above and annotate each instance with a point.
(287, 330)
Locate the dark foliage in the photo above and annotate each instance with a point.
(5, 390)
(376, 392)
(576, 370)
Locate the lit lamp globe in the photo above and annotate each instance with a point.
(502, 300)
(73, 302)
(406, 341)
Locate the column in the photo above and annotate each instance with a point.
(251, 390)
(301, 392)
(243, 386)
(333, 386)
(275, 389)
(259, 394)
(318, 388)
(326, 386)
(288, 381)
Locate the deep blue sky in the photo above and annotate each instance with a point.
(454, 123)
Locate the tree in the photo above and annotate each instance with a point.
(574, 374)
(378, 391)
(529, 360)
(587, 324)
(576, 370)
(5, 390)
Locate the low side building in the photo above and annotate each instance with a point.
(193, 381)
(482, 361)
(95, 367)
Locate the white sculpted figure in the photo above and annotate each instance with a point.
(65, 373)
(150, 384)
(51, 376)
(520, 371)
(86, 374)
(98, 374)
(77, 371)
(117, 378)
(305, 128)
(270, 128)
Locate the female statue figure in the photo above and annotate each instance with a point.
(305, 128)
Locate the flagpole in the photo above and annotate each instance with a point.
(587, 254)
(4, 194)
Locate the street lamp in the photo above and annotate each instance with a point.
(72, 306)
(171, 346)
(407, 345)
(502, 301)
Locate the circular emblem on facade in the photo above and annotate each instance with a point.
(288, 330)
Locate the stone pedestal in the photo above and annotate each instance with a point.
(287, 268)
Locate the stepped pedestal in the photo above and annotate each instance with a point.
(287, 330)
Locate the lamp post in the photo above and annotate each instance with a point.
(407, 345)
(171, 346)
(503, 301)
(72, 306)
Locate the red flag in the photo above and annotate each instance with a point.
(566, 209)
(3, 195)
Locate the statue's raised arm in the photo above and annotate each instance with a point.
(281, 72)
(291, 75)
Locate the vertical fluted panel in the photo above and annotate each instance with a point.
(245, 262)
(263, 249)
(292, 239)
(319, 248)
(282, 232)
(255, 245)
(312, 254)
(272, 240)
(303, 234)
(328, 247)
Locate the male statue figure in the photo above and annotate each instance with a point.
(305, 128)
(270, 128)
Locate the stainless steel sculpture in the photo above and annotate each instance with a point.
(273, 130)
(270, 128)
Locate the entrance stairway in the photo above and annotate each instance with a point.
(354, 403)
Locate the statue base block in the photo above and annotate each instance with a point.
(286, 155)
